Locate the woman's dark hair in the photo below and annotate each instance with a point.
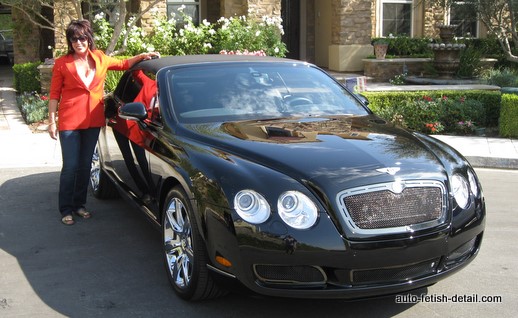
(78, 28)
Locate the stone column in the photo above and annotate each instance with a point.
(64, 12)
(351, 34)
(45, 77)
(148, 19)
(259, 8)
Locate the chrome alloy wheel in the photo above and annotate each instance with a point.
(178, 243)
(95, 170)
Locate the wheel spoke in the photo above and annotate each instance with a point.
(175, 215)
(178, 243)
(95, 171)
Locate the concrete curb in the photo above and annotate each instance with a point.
(496, 163)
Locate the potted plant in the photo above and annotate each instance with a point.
(380, 47)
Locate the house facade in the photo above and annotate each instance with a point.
(334, 34)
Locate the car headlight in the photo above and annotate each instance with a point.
(473, 185)
(297, 210)
(460, 189)
(251, 206)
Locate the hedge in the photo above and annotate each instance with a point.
(490, 99)
(27, 77)
(509, 116)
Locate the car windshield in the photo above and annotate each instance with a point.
(230, 92)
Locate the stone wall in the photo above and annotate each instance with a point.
(260, 8)
(351, 32)
(64, 12)
(433, 15)
(148, 19)
(351, 22)
(384, 70)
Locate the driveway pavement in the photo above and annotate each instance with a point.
(111, 265)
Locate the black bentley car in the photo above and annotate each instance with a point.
(269, 174)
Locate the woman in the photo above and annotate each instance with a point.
(77, 89)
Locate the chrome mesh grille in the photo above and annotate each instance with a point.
(404, 273)
(381, 207)
(289, 274)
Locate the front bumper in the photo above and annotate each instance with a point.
(273, 265)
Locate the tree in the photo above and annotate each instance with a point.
(77, 9)
(498, 16)
(500, 19)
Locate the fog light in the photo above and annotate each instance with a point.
(461, 253)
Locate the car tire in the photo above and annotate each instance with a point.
(184, 250)
(102, 186)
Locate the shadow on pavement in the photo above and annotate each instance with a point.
(111, 265)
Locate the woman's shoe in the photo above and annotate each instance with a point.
(83, 213)
(68, 220)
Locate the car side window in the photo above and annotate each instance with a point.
(128, 88)
(147, 94)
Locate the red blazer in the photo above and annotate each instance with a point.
(81, 107)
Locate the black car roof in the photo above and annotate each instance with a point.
(155, 65)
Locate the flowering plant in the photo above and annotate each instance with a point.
(240, 33)
(180, 36)
(34, 107)
(466, 127)
(245, 52)
(434, 115)
(434, 128)
(399, 79)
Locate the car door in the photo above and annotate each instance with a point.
(126, 141)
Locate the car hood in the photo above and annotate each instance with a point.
(334, 152)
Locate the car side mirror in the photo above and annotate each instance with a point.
(133, 111)
(363, 99)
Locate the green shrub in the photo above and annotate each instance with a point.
(491, 48)
(404, 46)
(27, 77)
(462, 115)
(469, 107)
(34, 108)
(112, 79)
(469, 63)
(509, 116)
(504, 77)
